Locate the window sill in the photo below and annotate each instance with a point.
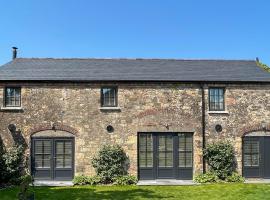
(218, 112)
(110, 108)
(11, 108)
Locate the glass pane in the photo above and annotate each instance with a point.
(188, 159)
(68, 162)
(169, 143)
(38, 147)
(149, 161)
(216, 99)
(60, 148)
(68, 148)
(38, 161)
(169, 159)
(47, 147)
(146, 150)
(59, 161)
(46, 161)
(162, 142)
(255, 160)
(143, 162)
(247, 160)
(185, 150)
(109, 96)
(162, 159)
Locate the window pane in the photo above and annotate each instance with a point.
(67, 161)
(247, 160)
(162, 159)
(185, 150)
(13, 97)
(59, 161)
(109, 97)
(216, 99)
(59, 148)
(251, 153)
(145, 150)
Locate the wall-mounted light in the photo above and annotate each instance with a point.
(264, 124)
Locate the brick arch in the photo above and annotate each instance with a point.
(54, 126)
(254, 128)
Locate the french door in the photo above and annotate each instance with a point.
(165, 155)
(52, 158)
(256, 161)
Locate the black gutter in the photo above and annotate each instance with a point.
(203, 125)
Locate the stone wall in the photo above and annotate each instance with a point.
(143, 107)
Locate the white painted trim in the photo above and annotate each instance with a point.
(11, 108)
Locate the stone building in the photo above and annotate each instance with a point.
(161, 111)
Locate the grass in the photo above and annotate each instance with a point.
(201, 192)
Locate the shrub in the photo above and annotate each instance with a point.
(125, 180)
(235, 177)
(220, 158)
(24, 193)
(110, 162)
(208, 177)
(2, 163)
(13, 159)
(86, 180)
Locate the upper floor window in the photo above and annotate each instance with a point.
(109, 97)
(216, 99)
(12, 97)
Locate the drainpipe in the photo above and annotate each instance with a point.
(203, 124)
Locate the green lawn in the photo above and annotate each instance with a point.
(207, 192)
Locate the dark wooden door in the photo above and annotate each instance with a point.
(165, 155)
(53, 158)
(266, 158)
(256, 159)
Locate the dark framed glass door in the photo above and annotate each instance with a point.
(256, 161)
(52, 158)
(165, 155)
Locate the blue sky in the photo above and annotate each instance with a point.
(208, 29)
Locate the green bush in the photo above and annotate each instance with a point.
(86, 180)
(125, 180)
(24, 192)
(11, 164)
(208, 177)
(235, 177)
(110, 163)
(220, 158)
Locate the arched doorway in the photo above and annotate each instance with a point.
(256, 154)
(52, 155)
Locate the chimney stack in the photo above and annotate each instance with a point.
(14, 53)
(257, 59)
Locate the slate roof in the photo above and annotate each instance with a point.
(49, 69)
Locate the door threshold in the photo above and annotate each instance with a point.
(52, 183)
(257, 180)
(166, 182)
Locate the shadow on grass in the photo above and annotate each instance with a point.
(99, 192)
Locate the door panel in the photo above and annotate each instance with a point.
(165, 156)
(185, 156)
(42, 157)
(251, 156)
(53, 158)
(146, 169)
(63, 159)
(266, 157)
